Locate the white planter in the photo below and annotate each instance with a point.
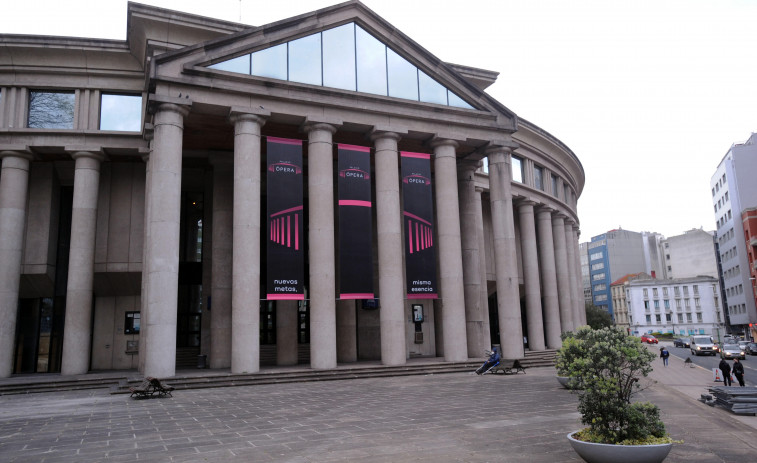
(610, 453)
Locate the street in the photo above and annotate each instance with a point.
(709, 362)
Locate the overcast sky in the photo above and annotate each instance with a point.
(650, 95)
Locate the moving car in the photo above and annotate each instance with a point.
(742, 344)
(649, 339)
(703, 345)
(732, 351)
(751, 348)
(681, 342)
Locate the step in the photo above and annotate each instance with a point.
(120, 384)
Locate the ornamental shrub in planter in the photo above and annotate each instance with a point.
(608, 364)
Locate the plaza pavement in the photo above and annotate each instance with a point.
(459, 417)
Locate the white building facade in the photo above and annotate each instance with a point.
(684, 306)
(734, 189)
(690, 254)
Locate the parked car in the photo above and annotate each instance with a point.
(732, 351)
(751, 348)
(681, 342)
(649, 339)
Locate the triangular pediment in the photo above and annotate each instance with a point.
(345, 47)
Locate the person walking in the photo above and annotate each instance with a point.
(738, 371)
(664, 354)
(726, 370)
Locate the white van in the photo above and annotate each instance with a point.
(702, 345)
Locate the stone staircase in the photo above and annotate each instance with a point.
(119, 382)
(48, 382)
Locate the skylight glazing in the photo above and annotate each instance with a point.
(345, 57)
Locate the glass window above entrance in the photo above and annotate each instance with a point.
(345, 57)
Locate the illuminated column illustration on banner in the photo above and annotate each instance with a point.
(420, 256)
(286, 263)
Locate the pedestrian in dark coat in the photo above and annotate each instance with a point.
(664, 354)
(738, 371)
(726, 370)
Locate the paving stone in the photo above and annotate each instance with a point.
(425, 419)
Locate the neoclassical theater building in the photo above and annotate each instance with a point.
(320, 190)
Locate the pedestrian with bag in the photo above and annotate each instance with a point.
(664, 354)
(738, 371)
(726, 370)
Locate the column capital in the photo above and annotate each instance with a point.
(386, 132)
(330, 124)
(237, 115)
(500, 146)
(17, 151)
(545, 208)
(318, 126)
(77, 152)
(479, 189)
(437, 142)
(158, 103)
(525, 203)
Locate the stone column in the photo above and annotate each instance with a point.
(286, 332)
(149, 136)
(505, 263)
(221, 265)
(162, 242)
(470, 213)
(14, 186)
(549, 279)
(571, 251)
(346, 331)
(579, 291)
(565, 297)
(534, 321)
(321, 245)
(450, 251)
(486, 340)
(77, 331)
(245, 280)
(390, 250)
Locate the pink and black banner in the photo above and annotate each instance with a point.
(355, 223)
(418, 218)
(286, 257)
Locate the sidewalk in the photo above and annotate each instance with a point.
(690, 381)
(457, 417)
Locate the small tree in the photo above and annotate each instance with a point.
(597, 317)
(607, 363)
